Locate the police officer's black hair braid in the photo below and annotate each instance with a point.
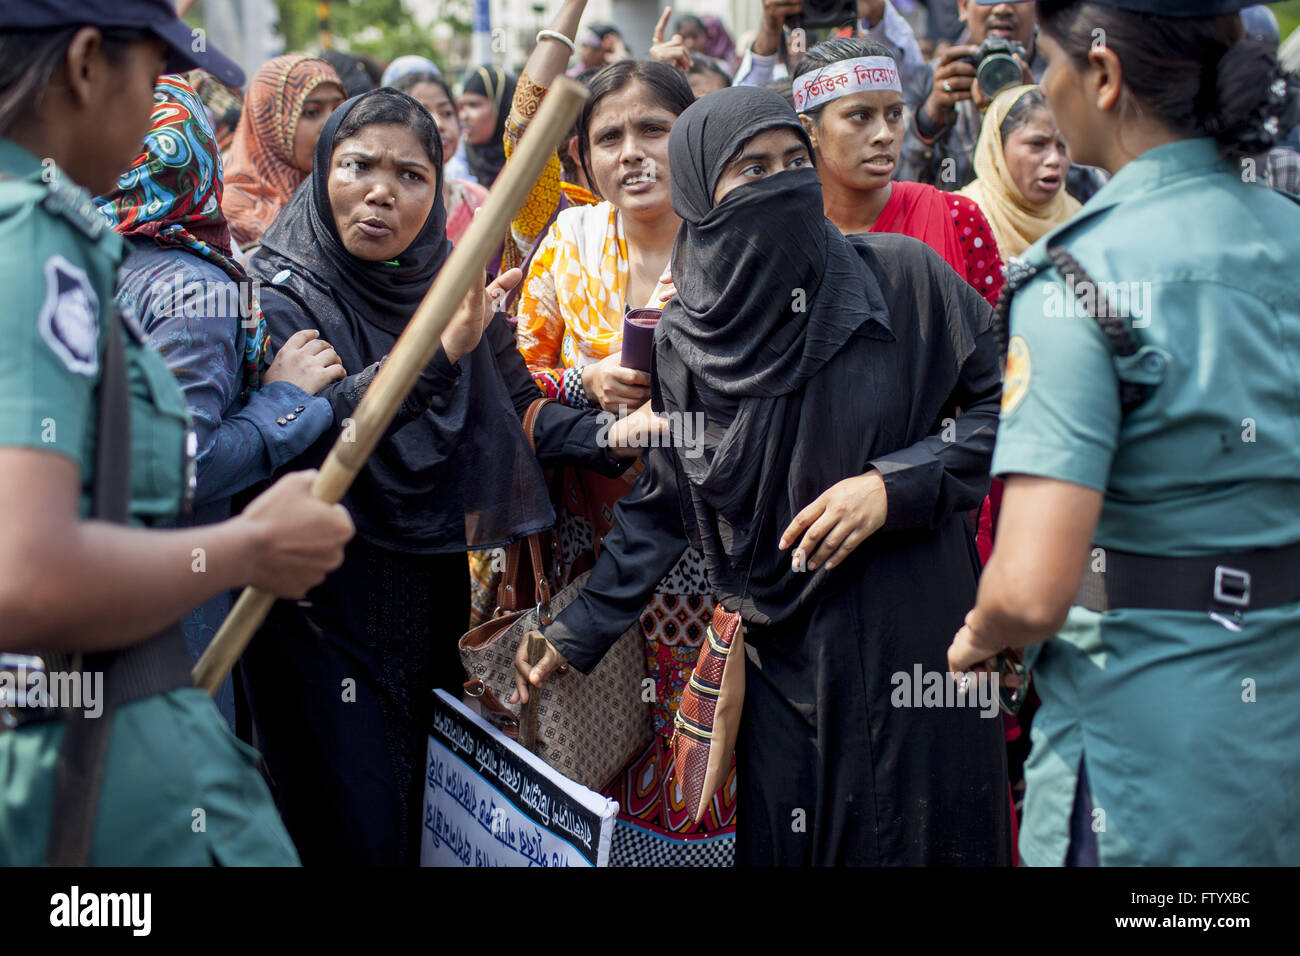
(1002, 320)
(1118, 334)
(1120, 337)
(1116, 328)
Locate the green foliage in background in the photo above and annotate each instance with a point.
(1288, 16)
(385, 30)
(381, 28)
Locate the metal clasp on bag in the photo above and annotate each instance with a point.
(544, 615)
(490, 708)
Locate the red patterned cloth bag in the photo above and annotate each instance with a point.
(704, 732)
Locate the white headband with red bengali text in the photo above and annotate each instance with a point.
(847, 76)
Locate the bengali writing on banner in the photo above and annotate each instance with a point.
(489, 802)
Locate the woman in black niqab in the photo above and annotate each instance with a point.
(454, 472)
(813, 359)
(741, 344)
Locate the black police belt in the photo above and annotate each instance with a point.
(1224, 584)
(151, 667)
(155, 666)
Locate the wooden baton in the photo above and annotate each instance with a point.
(412, 351)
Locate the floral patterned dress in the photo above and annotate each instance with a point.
(571, 315)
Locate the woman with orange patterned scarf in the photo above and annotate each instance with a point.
(288, 101)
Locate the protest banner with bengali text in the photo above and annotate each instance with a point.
(489, 802)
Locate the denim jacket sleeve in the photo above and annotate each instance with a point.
(238, 445)
(278, 424)
(283, 319)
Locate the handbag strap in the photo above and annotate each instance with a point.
(111, 491)
(530, 420)
(744, 589)
(510, 592)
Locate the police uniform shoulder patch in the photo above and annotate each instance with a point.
(76, 206)
(69, 320)
(1019, 368)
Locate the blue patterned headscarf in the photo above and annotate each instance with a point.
(405, 66)
(172, 193)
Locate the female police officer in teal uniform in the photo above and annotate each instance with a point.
(1150, 438)
(173, 786)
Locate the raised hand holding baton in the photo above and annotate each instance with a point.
(412, 351)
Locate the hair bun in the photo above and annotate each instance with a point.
(1255, 102)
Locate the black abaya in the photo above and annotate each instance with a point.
(340, 683)
(812, 359)
(829, 771)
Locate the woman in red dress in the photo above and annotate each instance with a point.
(849, 98)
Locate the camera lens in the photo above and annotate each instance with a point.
(997, 72)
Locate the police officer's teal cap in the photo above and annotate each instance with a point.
(1261, 25)
(188, 48)
(1160, 8)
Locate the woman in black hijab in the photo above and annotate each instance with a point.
(828, 372)
(484, 107)
(339, 683)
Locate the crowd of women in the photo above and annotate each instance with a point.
(866, 353)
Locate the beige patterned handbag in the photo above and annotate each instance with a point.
(589, 726)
